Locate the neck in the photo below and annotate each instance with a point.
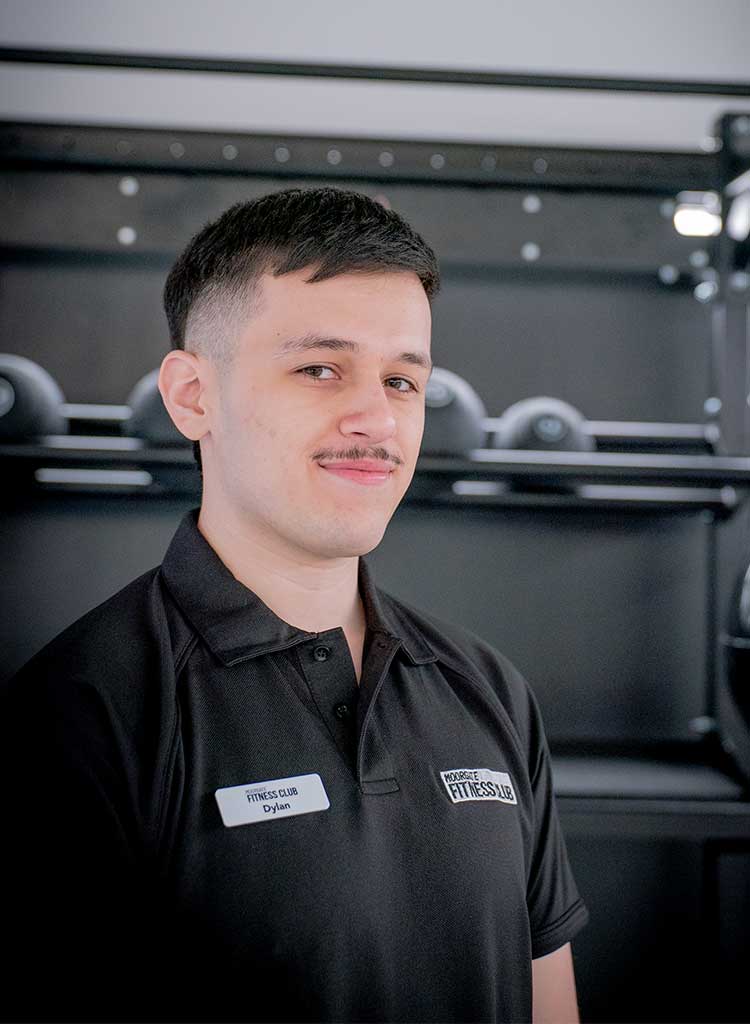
(310, 593)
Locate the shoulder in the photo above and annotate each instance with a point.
(460, 650)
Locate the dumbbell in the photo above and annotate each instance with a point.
(734, 702)
(454, 415)
(31, 400)
(150, 421)
(542, 424)
(454, 425)
(737, 641)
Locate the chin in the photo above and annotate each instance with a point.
(349, 545)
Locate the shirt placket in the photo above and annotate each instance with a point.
(375, 772)
(349, 711)
(327, 665)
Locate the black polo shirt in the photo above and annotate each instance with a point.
(209, 820)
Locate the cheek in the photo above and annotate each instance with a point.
(412, 429)
(267, 430)
(273, 439)
(260, 423)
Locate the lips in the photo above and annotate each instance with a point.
(364, 471)
(360, 465)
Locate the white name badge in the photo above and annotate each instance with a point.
(267, 801)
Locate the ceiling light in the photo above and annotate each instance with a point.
(697, 214)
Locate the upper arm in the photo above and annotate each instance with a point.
(553, 988)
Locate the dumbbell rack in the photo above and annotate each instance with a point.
(487, 476)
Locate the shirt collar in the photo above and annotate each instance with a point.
(236, 624)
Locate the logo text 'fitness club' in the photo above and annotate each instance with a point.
(478, 784)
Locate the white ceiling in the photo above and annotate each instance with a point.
(682, 39)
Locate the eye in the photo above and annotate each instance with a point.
(315, 376)
(311, 372)
(404, 381)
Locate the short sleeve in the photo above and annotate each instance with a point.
(556, 910)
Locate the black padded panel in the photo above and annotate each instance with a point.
(642, 957)
(64, 554)
(603, 613)
(94, 326)
(640, 777)
(615, 348)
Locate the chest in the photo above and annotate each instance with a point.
(400, 893)
(420, 780)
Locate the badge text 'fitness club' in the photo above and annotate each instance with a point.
(478, 784)
(272, 799)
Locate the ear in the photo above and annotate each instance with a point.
(185, 387)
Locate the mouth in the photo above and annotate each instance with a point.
(366, 473)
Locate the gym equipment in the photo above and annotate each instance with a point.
(454, 415)
(149, 418)
(150, 422)
(542, 424)
(30, 400)
(735, 707)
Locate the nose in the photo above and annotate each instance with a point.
(369, 413)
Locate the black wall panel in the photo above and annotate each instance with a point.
(66, 554)
(645, 954)
(617, 348)
(605, 616)
(732, 922)
(96, 327)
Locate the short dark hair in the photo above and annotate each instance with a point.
(333, 230)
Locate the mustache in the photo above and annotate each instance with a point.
(353, 454)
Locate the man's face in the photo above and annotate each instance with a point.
(323, 373)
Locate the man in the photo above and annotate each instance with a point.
(252, 785)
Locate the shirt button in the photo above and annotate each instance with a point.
(321, 653)
(341, 711)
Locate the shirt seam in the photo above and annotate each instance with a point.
(484, 690)
(180, 662)
(515, 739)
(538, 937)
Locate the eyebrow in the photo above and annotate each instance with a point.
(318, 341)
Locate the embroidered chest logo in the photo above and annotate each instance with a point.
(478, 784)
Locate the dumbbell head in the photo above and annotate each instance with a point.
(454, 415)
(149, 418)
(543, 424)
(734, 700)
(739, 619)
(30, 400)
